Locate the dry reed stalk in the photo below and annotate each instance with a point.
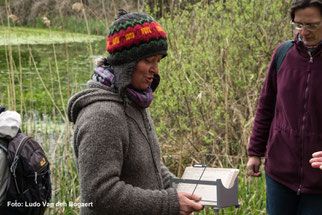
(59, 81)
(20, 85)
(181, 144)
(67, 71)
(105, 15)
(89, 38)
(44, 85)
(114, 7)
(30, 83)
(8, 69)
(11, 103)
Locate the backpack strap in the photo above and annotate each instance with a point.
(281, 53)
(4, 144)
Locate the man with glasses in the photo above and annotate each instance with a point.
(288, 124)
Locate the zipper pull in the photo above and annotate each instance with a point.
(298, 191)
(311, 58)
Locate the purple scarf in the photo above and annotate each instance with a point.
(142, 98)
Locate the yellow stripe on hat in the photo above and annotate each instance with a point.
(146, 30)
(159, 28)
(116, 40)
(129, 36)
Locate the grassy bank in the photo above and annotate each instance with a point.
(203, 109)
(21, 35)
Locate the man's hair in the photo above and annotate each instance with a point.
(301, 4)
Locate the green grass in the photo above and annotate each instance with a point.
(31, 36)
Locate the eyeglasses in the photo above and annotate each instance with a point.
(308, 26)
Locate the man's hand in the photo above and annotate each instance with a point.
(187, 203)
(253, 166)
(316, 161)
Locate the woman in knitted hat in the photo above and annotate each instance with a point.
(117, 151)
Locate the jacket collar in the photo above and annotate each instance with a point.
(299, 43)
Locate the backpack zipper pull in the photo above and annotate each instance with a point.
(35, 177)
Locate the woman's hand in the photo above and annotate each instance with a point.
(253, 166)
(316, 161)
(188, 204)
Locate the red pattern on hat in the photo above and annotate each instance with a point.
(134, 36)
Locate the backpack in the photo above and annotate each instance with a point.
(29, 186)
(281, 53)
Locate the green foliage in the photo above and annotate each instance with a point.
(218, 56)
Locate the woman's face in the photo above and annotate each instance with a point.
(144, 72)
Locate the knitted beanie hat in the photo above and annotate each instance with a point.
(131, 38)
(134, 36)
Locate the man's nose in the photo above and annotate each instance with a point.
(304, 31)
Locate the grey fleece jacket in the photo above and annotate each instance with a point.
(118, 156)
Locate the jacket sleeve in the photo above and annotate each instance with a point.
(102, 141)
(166, 176)
(264, 113)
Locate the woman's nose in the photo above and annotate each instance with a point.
(155, 69)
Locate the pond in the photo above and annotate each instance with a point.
(41, 68)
